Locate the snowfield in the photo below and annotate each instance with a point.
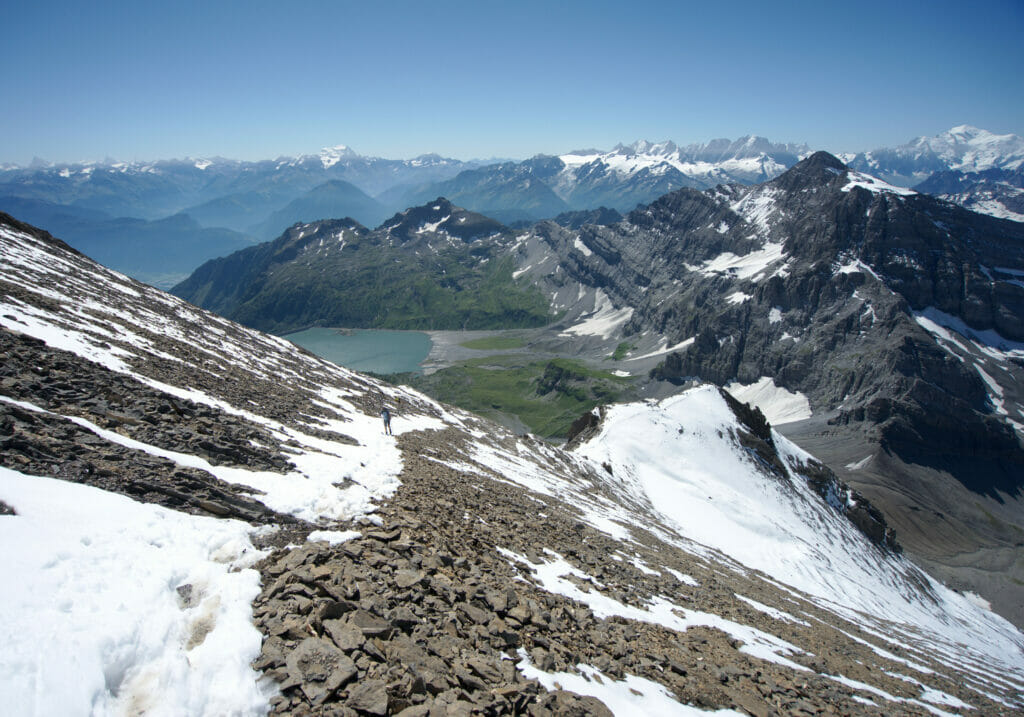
(118, 607)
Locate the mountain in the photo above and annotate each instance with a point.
(335, 198)
(963, 149)
(152, 190)
(161, 252)
(508, 191)
(628, 175)
(887, 321)
(435, 266)
(213, 539)
(996, 192)
(895, 319)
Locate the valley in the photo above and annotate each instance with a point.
(454, 566)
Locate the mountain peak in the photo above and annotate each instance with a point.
(823, 160)
(330, 156)
(815, 170)
(441, 216)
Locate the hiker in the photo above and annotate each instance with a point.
(386, 415)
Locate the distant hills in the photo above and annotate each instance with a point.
(435, 266)
(251, 201)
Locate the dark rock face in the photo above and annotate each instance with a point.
(579, 219)
(832, 312)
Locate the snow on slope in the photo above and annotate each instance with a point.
(118, 607)
(115, 635)
(777, 404)
(678, 455)
(123, 341)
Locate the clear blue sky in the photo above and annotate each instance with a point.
(249, 80)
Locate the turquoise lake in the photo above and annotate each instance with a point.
(373, 350)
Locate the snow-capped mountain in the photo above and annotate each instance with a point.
(265, 546)
(620, 179)
(748, 160)
(962, 149)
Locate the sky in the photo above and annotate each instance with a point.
(253, 80)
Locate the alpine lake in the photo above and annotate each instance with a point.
(376, 351)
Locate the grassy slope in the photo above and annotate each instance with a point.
(392, 292)
(547, 396)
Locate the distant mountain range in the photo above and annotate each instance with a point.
(258, 200)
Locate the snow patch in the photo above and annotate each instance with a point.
(581, 247)
(146, 610)
(874, 185)
(631, 695)
(743, 267)
(603, 321)
(777, 404)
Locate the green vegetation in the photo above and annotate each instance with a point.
(621, 350)
(368, 281)
(547, 396)
(494, 343)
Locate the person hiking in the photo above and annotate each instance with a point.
(385, 414)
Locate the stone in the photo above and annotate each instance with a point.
(370, 624)
(407, 578)
(320, 667)
(369, 696)
(345, 635)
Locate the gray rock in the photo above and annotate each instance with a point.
(320, 667)
(407, 578)
(369, 696)
(370, 624)
(345, 635)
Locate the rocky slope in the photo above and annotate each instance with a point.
(454, 568)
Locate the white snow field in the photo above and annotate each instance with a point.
(117, 607)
